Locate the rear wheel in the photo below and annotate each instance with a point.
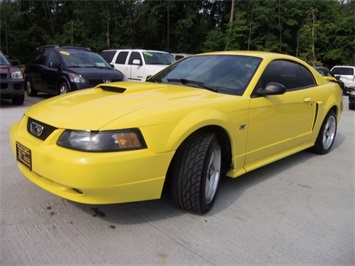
(326, 135)
(195, 173)
(29, 88)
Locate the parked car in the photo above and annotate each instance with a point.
(11, 81)
(202, 118)
(58, 70)
(328, 75)
(345, 74)
(137, 64)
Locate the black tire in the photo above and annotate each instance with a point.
(63, 88)
(326, 135)
(352, 106)
(18, 99)
(195, 173)
(29, 88)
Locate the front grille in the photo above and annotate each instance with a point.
(32, 125)
(18, 86)
(3, 76)
(4, 85)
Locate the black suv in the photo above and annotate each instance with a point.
(58, 70)
(11, 81)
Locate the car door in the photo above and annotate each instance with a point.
(120, 63)
(136, 66)
(34, 69)
(280, 123)
(51, 72)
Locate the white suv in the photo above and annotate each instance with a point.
(137, 64)
(345, 74)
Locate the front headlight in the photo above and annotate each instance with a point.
(102, 141)
(17, 75)
(352, 92)
(76, 78)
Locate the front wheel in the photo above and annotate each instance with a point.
(326, 135)
(195, 173)
(63, 88)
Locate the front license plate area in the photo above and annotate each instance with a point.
(23, 155)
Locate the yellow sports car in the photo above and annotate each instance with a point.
(202, 118)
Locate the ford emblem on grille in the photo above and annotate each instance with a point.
(36, 129)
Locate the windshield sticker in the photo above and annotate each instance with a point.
(64, 53)
(100, 64)
(147, 54)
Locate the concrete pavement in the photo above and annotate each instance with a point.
(297, 211)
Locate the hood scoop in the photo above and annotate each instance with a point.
(112, 89)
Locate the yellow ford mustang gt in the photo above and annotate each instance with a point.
(204, 117)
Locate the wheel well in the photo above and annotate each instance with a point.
(224, 141)
(63, 80)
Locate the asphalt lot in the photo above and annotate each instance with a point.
(297, 211)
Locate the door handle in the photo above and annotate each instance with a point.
(307, 99)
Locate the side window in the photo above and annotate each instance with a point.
(121, 58)
(52, 58)
(292, 75)
(134, 56)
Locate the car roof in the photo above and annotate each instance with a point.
(66, 47)
(262, 54)
(137, 50)
(344, 66)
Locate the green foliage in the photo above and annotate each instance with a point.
(318, 31)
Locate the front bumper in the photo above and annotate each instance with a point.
(93, 178)
(10, 88)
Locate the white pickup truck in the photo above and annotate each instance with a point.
(137, 64)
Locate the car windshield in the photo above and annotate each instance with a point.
(77, 58)
(156, 58)
(3, 60)
(229, 74)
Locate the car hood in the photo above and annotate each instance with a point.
(97, 72)
(5, 69)
(132, 103)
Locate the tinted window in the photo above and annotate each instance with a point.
(229, 74)
(134, 56)
(292, 75)
(121, 58)
(52, 57)
(108, 55)
(343, 71)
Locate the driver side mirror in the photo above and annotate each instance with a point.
(137, 62)
(271, 88)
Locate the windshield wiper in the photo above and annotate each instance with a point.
(153, 80)
(193, 82)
